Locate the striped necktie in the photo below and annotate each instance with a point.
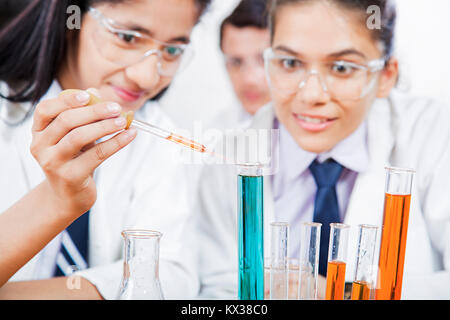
(73, 254)
(326, 208)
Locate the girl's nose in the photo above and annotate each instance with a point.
(145, 73)
(313, 89)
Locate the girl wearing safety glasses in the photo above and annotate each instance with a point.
(129, 51)
(341, 122)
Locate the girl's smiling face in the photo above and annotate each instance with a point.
(319, 34)
(168, 21)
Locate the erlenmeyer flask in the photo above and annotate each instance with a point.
(140, 279)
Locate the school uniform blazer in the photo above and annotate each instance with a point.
(403, 132)
(142, 186)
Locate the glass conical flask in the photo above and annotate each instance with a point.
(140, 280)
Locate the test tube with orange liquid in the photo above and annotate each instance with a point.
(337, 261)
(395, 228)
(363, 283)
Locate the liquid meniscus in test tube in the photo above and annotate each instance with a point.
(361, 290)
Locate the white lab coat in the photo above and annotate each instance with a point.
(142, 186)
(402, 132)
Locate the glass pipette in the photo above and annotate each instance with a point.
(162, 133)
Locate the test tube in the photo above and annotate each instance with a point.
(337, 261)
(363, 283)
(309, 260)
(278, 263)
(250, 232)
(395, 228)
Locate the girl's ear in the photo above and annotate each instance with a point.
(388, 78)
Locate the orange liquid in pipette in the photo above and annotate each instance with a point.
(193, 145)
(335, 280)
(360, 290)
(393, 247)
(187, 143)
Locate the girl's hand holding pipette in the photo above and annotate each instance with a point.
(65, 131)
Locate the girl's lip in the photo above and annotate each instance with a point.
(252, 96)
(128, 95)
(313, 123)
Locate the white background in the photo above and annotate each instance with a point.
(202, 91)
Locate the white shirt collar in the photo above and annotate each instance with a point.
(352, 153)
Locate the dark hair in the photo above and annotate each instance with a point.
(32, 45)
(388, 11)
(9, 9)
(249, 13)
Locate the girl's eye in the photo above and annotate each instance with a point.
(235, 63)
(290, 64)
(343, 69)
(173, 51)
(128, 38)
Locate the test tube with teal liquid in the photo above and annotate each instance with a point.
(250, 232)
